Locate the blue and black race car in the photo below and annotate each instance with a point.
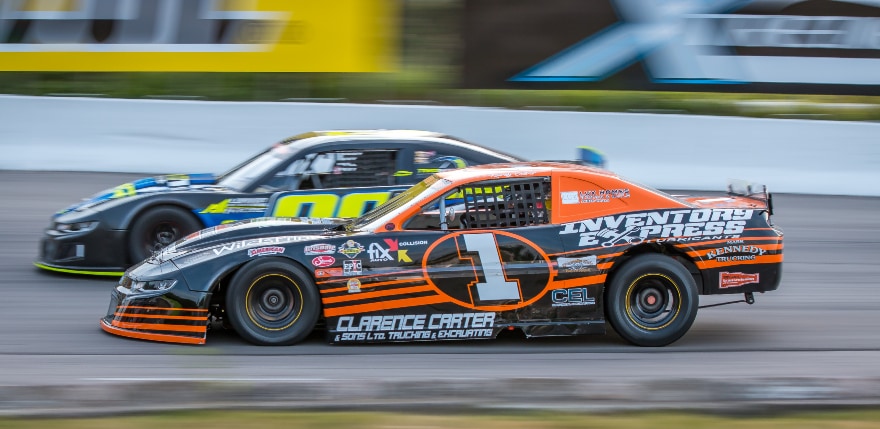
(317, 174)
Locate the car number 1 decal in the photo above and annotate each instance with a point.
(487, 271)
(496, 287)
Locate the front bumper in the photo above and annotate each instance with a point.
(174, 316)
(95, 252)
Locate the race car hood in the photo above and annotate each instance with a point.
(250, 233)
(148, 185)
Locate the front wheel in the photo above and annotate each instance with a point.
(157, 228)
(272, 302)
(652, 301)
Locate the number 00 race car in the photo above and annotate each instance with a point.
(548, 248)
(327, 174)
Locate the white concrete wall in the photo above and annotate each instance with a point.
(666, 151)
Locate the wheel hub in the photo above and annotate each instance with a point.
(273, 300)
(653, 302)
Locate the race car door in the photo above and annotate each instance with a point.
(485, 246)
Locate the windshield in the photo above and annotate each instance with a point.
(419, 191)
(241, 177)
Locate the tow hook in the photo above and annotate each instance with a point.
(749, 299)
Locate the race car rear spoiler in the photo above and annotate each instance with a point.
(585, 156)
(755, 191)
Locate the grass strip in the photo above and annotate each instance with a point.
(848, 419)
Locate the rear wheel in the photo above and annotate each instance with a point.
(158, 227)
(272, 301)
(652, 300)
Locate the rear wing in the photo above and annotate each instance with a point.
(754, 191)
(585, 156)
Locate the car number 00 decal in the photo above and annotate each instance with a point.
(497, 286)
(329, 205)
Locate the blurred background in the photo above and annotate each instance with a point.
(682, 67)
(763, 58)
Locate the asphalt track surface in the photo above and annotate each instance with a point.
(815, 340)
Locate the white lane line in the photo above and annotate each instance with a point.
(167, 379)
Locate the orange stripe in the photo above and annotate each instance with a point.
(395, 273)
(373, 285)
(162, 308)
(769, 259)
(376, 294)
(160, 327)
(151, 337)
(386, 305)
(160, 316)
(585, 281)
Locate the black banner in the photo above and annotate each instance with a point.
(813, 46)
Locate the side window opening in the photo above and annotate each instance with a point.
(427, 162)
(506, 204)
(495, 204)
(358, 168)
(337, 169)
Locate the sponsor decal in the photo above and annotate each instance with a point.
(246, 205)
(323, 261)
(571, 297)
(323, 273)
(741, 252)
(508, 174)
(569, 197)
(413, 243)
(273, 250)
(403, 327)
(354, 285)
(352, 267)
(244, 244)
(379, 253)
(237, 205)
(577, 265)
(351, 248)
(320, 249)
(658, 226)
(593, 196)
(728, 280)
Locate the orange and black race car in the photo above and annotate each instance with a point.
(548, 248)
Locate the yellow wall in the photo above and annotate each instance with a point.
(279, 36)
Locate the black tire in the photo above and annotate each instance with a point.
(272, 302)
(652, 300)
(158, 227)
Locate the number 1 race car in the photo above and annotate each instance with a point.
(548, 248)
(324, 174)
